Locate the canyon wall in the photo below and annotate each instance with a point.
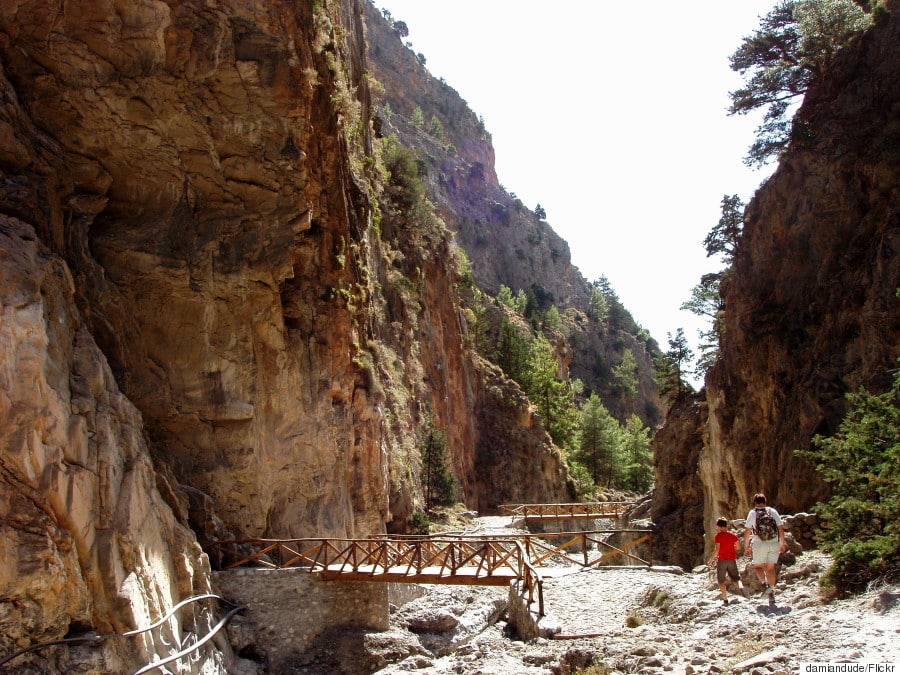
(89, 541)
(811, 306)
(214, 323)
(506, 243)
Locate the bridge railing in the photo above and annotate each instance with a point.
(457, 559)
(486, 555)
(593, 549)
(569, 510)
(412, 555)
(498, 559)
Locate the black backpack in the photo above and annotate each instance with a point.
(766, 527)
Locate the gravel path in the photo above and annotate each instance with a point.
(642, 621)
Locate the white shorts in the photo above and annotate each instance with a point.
(765, 552)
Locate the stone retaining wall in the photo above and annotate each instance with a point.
(288, 608)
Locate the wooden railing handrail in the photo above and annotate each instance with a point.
(514, 555)
(567, 510)
(453, 553)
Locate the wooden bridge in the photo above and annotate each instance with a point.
(483, 561)
(572, 511)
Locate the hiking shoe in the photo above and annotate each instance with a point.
(765, 591)
(725, 602)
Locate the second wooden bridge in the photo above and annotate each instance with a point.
(570, 511)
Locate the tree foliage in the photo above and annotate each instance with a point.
(417, 119)
(618, 318)
(671, 366)
(553, 397)
(552, 319)
(862, 464)
(438, 483)
(723, 238)
(513, 353)
(706, 301)
(610, 454)
(436, 128)
(598, 307)
(514, 302)
(600, 442)
(625, 375)
(637, 469)
(795, 42)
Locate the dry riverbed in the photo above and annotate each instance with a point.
(629, 621)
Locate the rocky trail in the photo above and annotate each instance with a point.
(628, 621)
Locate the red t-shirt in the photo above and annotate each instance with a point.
(726, 542)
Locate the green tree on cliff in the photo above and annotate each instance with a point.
(438, 483)
(599, 443)
(625, 375)
(637, 469)
(552, 396)
(598, 307)
(513, 352)
(706, 301)
(725, 235)
(671, 366)
(862, 464)
(417, 119)
(795, 43)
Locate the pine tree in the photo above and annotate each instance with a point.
(724, 237)
(418, 118)
(862, 464)
(438, 482)
(598, 307)
(513, 353)
(706, 301)
(796, 41)
(638, 469)
(671, 366)
(625, 375)
(553, 397)
(600, 442)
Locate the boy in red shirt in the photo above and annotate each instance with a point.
(726, 545)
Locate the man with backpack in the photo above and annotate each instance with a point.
(764, 532)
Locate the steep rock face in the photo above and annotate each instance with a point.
(88, 542)
(204, 198)
(677, 505)
(191, 187)
(811, 307)
(506, 243)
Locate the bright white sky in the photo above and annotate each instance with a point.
(612, 116)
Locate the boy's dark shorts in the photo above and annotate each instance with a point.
(728, 567)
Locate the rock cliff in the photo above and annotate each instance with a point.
(811, 307)
(215, 321)
(507, 243)
(89, 541)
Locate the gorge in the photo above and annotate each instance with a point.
(227, 311)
